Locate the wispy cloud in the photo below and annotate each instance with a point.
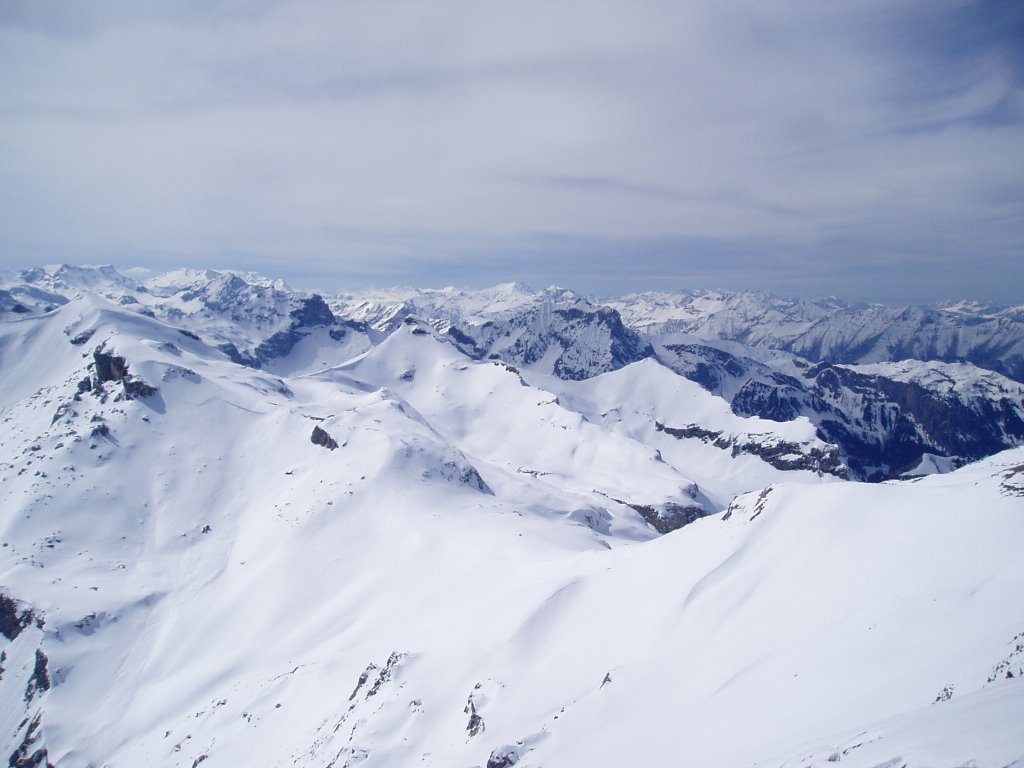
(460, 141)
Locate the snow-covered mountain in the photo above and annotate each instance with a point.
(883, 426)
(252, 320)
(885, 417)
(740, 346)
(378, 546)
(553, 331)
(834, 331)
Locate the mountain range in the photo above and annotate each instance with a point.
(247, 525)
(897, 391)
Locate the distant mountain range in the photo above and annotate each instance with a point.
(833, 331)
(848, 368)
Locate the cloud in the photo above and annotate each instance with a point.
(461, 138)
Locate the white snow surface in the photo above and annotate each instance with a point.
(462, 547)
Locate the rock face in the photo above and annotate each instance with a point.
(713, 369)
(884, 421)
(12, 618)
(578, 341)
(40, 679)
(10, 305)
(108, 367)
(29, 754)
(670, 516)
(883, 418)
(469, 476)
(476, 724)
(310, 313)
(554, 331)
(781, 454)
(25, 674)
(503, 757)
(320, 437)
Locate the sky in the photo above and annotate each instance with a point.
(869, 149)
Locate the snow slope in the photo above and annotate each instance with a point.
(519, 433)
(205, 563)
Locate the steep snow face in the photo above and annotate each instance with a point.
(947, 379)
(835, 332)
(789, 688)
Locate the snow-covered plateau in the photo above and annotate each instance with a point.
(242, 525)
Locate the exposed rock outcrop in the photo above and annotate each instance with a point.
(108, 367)
(781, 454)
(882, 418)
(320, 437)
(311, 313)
(503, 757)
(29, 753)
(670, 516)
(13, 619)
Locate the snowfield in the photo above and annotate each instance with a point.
(386, 552)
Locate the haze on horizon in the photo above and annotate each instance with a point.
(866, 149)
